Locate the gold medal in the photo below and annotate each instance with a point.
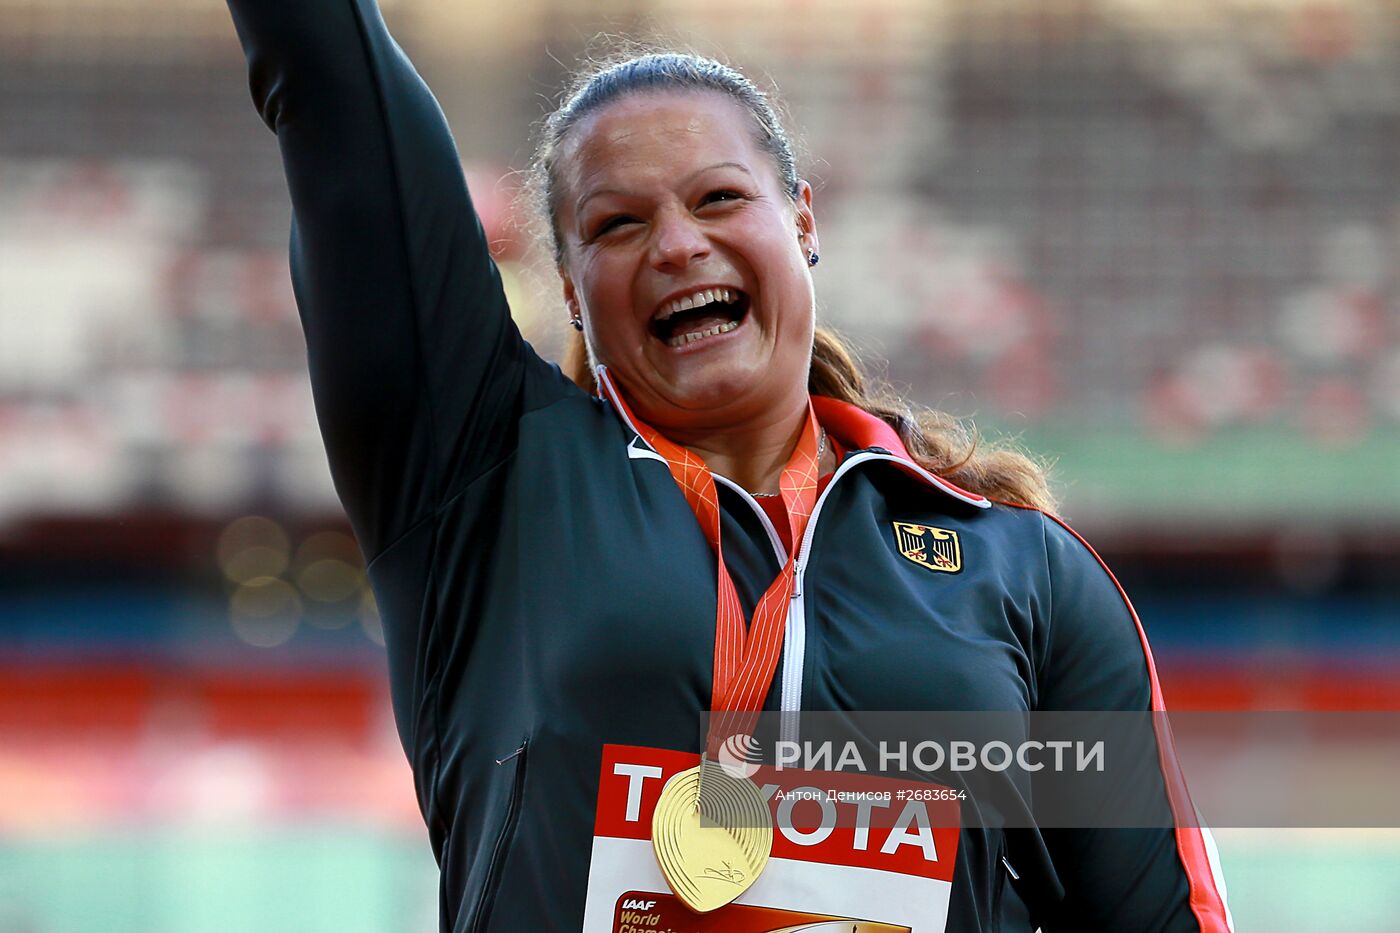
(711, 844)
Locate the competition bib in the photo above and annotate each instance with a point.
(851, 853)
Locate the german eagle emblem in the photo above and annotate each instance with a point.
(934, 548)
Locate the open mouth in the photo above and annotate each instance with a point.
(719, 316)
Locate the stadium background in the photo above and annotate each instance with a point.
(1158, 241)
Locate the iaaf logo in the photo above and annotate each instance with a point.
(740, 755)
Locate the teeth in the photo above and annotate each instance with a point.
(726, 295)
(715, 331)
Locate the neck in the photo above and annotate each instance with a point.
(752, 455)
(752, 449)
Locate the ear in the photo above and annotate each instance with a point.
(806, 219)
(570, 295)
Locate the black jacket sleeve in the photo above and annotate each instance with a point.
(1097, 659)
(416, 366)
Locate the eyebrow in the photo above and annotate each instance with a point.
(578, 208)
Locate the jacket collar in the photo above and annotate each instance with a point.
(857, 429)
(854, 428)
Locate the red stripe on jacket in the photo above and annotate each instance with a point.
(1205, 899)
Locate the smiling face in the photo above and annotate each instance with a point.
(687, 261)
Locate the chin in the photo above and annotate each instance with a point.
(721, 385)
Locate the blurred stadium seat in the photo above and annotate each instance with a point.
(1157, 241)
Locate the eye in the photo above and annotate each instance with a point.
(721, 194)
(612, 223)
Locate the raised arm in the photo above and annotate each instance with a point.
(415, 364)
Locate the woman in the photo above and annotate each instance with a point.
(545, 559)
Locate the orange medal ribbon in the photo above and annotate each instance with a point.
(745, 656)
(707, 819)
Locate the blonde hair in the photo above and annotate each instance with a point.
(939, 442)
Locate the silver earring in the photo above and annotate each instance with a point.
(578, 325)
(812, 257)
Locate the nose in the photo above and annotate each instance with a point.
(677, 241)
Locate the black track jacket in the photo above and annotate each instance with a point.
(545, 588)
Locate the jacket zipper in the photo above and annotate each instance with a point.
(792, 680)
(485, 900)
(795, 630)
(796, 640)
